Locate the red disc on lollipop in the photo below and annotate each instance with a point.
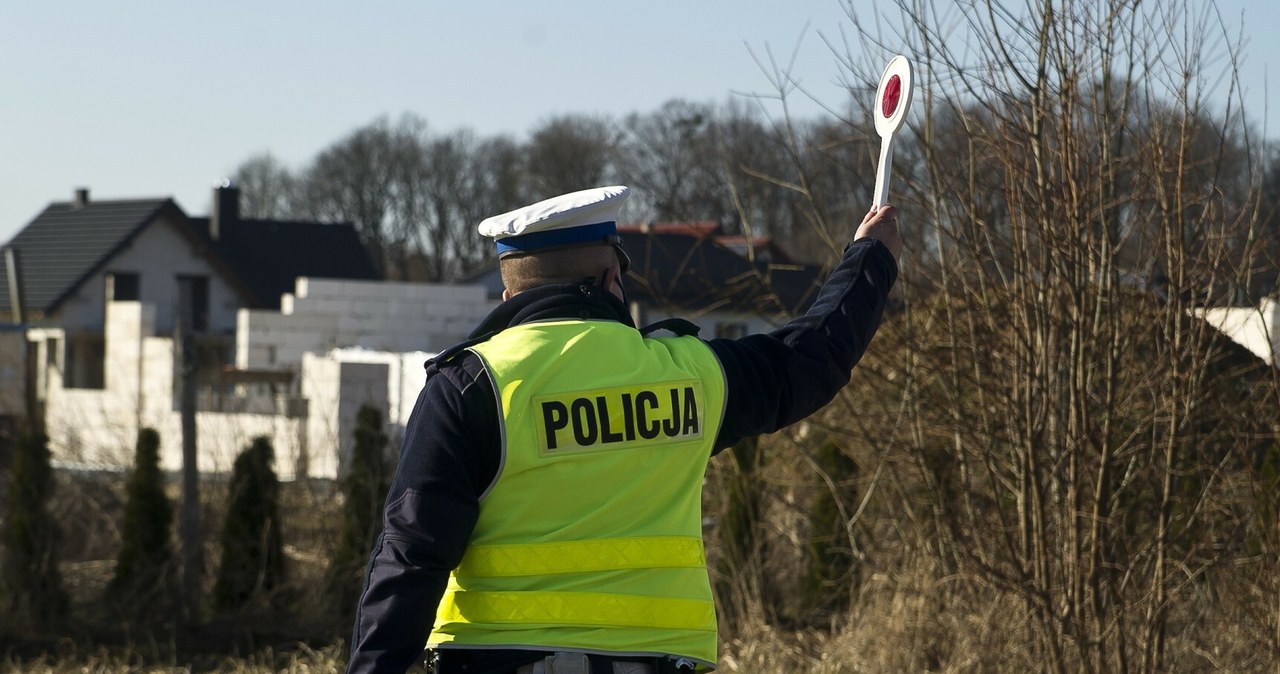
(892, 92)
(893, 96)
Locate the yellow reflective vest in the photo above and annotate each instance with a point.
(590, 538)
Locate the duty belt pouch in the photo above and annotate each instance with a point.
(568, 663)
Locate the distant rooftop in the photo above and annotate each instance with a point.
(683, 266)
(70, 241)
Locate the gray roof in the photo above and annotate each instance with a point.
(66, 244)
(269, 255)
(71, 241)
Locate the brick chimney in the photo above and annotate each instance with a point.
(226, 209)
(80, 198)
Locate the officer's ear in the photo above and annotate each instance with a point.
(612, 282)
(507, 294)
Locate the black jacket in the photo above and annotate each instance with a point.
(451, 448)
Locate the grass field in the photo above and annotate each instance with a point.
(907, 610)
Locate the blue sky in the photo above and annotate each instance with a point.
(151, 98)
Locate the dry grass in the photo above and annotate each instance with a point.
(908, 621)
(909, 612)
(291, 631)
(301, 660)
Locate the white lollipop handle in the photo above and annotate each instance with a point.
(883, 170)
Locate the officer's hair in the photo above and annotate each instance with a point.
(558, 265)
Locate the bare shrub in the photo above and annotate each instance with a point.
(1061, 468)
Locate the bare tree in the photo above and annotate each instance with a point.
(415, 197)
(493, 182)
(1062, 408)
(411, 170)
(355, 180)
(449, 157)
(569, 153)
(756, 165)
(267, 188)
(671, 157)
(1050, 441)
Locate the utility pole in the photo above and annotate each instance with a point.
(18, 316)
(189, 522)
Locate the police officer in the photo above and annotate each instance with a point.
(545, 514)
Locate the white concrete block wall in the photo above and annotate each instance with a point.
(1271, 315)
(269, 340)
(336, 390)
(90, 427)
(100, 427)
(325, 313)
(160, 399)
(1248, 327)
(223, 436)
(320, 379)
(244, 354)
(359, 384)
(126, 325)
(405, 378)
(1255, 328)
(304, 306)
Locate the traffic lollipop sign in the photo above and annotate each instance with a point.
(893, 98)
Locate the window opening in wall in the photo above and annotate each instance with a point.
(124, 287)
(85, 366)
(199, 298)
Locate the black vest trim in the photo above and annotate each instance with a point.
(679, 326)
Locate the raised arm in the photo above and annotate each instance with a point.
(781, 377)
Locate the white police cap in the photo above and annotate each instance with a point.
(566, 220)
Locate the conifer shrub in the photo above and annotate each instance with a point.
(828, 579)
(738, 570)
(252, 561)
(364, 488)
(144, 584)
(29, 580)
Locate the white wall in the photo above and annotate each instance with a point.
(158, 255)
(323, 314)
(98, 428)
(1255, 328)
(335, 392)
(405, 376)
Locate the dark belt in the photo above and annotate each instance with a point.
(581, 663)
(506, 661)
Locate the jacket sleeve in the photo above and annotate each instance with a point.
(776, 379)
(431, 509)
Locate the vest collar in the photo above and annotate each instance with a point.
(584, 300)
